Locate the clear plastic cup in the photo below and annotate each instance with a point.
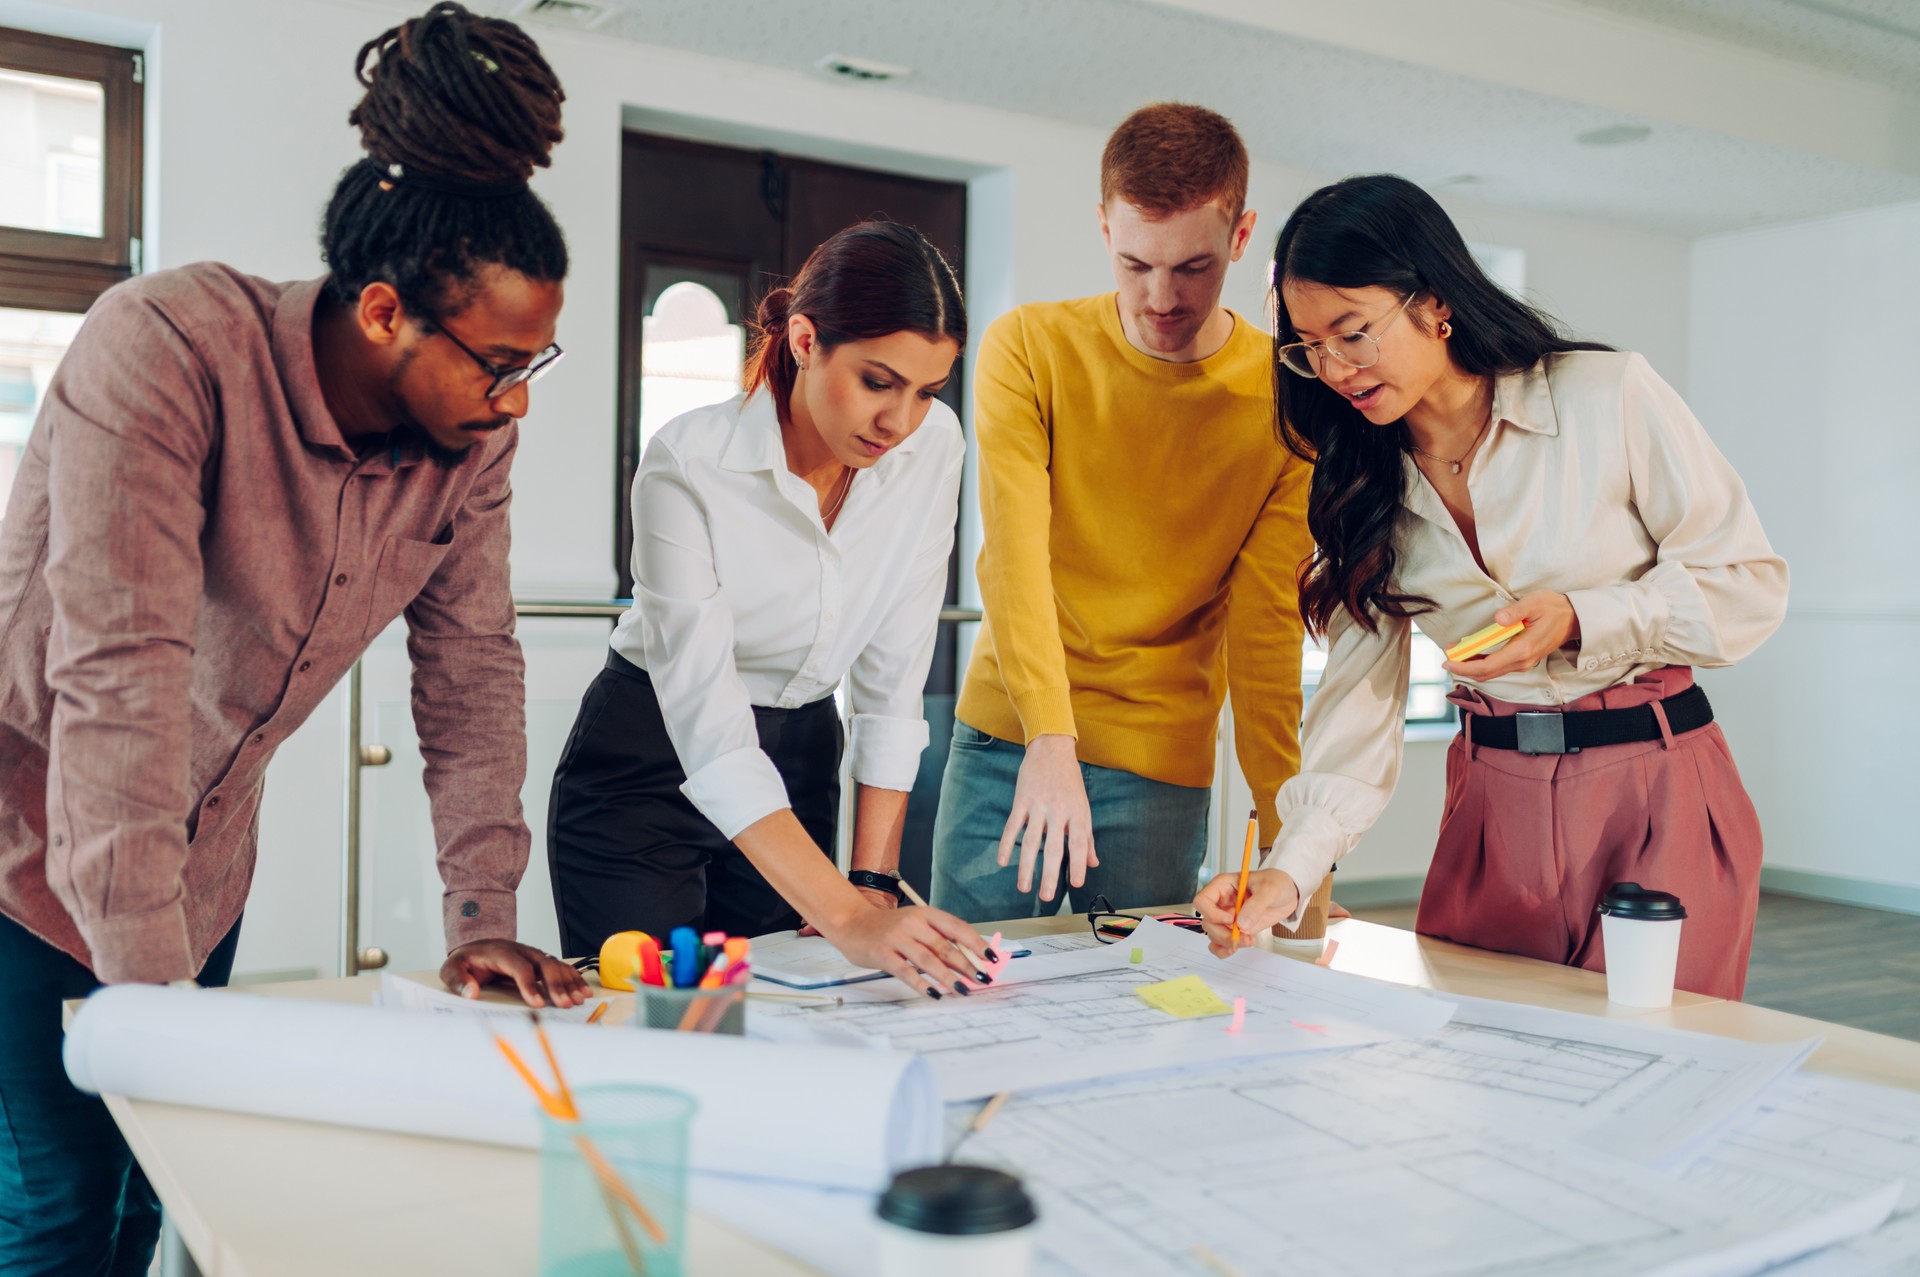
(613, 1186)
(721, 1010)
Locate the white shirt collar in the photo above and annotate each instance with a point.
(756, 443)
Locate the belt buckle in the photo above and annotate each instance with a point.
(1535, 733)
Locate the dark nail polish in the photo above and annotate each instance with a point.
(983, 977)
(992, 956)
(962, 989)
(934, 994)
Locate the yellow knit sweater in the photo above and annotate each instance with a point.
(1143, 530)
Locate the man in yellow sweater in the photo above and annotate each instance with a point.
(1143, 530)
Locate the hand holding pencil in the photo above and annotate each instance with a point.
(1234, 908)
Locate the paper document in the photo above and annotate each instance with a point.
(811, 962)
(1283, 1166)
(1071, 1016)
(397, 993)
(813, 1114)
(1815, 1141)
(1647, 1094)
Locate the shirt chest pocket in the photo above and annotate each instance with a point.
(405, 568)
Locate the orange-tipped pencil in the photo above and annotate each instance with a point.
(1246, 866)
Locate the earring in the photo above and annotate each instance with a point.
(1446, 330)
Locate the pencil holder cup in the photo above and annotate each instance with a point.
(613, 1185)
(721, 1010)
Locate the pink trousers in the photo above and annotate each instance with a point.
(1529, 842)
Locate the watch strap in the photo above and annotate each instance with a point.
(875, 881)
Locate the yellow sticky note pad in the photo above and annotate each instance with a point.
(1484, 641)
(1187, 998)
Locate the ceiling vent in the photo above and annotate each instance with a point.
(581, 15)
(861, 70)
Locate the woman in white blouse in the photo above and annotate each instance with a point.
(1474, 467)
(783, 541)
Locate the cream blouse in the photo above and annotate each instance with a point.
(1596, 481)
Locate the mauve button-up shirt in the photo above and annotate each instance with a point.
(191, 558)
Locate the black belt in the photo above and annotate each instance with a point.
(1571, 732)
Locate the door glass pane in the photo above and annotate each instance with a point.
(52, 133)
(31, 343)
(690, 356)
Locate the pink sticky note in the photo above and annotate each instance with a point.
(1309, 1028)
(1239, 1016)
(995, 968)
(1326, 957)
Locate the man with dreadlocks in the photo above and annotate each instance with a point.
(234, 486)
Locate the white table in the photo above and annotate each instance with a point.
(261, 1197)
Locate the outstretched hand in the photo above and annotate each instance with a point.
(541, 979)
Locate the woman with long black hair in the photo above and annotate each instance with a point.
(784, 541)
(1473, 466)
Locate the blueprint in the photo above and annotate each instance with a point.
(1814, 1141)
(1646, 1094)
(1085, 1019)
(1278, 1166)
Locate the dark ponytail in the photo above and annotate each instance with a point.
(1380, 232)
(459, 111)
(870, 280)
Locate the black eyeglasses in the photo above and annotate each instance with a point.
(506, 379)
(1110, 925)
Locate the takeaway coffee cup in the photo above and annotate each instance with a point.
(1640, 930)
(956, 1221)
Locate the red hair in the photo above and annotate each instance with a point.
(1170, 157)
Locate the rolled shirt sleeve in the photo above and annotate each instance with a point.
(884, 683)
(1351, 743)
(686, 636)
(1716, 590)
(129, 425)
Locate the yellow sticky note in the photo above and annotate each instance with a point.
(1483, 641)
(1187, 998)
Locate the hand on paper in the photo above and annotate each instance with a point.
(1050, 804)
(878, 899)
(1272, 897)
(1551, 624)
(927, 949)
(539, 977)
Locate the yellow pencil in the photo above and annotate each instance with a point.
(1246, 865)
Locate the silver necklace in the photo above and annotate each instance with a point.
(1454, 464)
(846, 486)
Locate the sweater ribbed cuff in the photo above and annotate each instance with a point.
(1046, 711)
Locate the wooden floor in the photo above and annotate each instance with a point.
(1833, 962)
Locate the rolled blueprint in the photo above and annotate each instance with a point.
(798, 1112)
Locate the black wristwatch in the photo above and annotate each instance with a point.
(875, 882)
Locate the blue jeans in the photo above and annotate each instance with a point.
(1151, 837)
(73, 1202)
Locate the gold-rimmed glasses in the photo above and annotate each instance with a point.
(1356, 349)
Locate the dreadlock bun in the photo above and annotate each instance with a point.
(459, 111)
(454, 95)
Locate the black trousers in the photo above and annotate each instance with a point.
(73, 1202)
(629, 852)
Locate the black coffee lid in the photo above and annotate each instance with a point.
(956, 1200)
(1631, 900)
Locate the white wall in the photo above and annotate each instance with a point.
(247, 132)
(1804, 341)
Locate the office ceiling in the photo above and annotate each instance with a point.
(1334, 106)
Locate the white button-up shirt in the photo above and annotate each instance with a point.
(742, 597)
(1595, 481)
